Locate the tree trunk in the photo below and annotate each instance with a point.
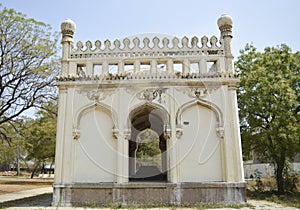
(18, 166)
(279, 178)
(34, 170)
(50, 170)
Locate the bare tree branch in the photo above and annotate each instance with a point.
(27, 65)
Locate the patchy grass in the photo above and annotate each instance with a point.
(267, 191)
(291, 199)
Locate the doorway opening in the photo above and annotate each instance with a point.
(148, 146)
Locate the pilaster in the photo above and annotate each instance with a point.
(232, 141)
(235, 135)
(172, 146)
(59, 164)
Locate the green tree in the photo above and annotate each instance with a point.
(27, 65)
(6, 155)
(147, 144)
(268, 98)
(40, 135)
(12, 147)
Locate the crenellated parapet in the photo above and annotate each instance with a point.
(148, 58)
(148, 47)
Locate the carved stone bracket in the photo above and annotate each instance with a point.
(76, 134)
(126, 133)
(115, 132)
(167, 133)
(96, 94)
(198, 92)
(178, 132)
(151, 94)
(220, 131)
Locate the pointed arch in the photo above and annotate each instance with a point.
(142, 117)
(207, 104)
(148, 105)
(88, 108)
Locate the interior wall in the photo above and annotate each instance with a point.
(199, 146)
(96, 149)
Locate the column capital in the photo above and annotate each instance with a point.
(125, 135)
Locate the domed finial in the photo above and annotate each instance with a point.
(225, 25)
(68, 28)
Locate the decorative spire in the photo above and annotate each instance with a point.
(68, 28)
(225, 25)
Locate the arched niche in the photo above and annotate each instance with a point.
(200, 148)
(86, 109)
(96, 123)
(209, 105)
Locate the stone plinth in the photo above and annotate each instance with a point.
(106, 194)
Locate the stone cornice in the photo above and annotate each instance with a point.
(231, 82)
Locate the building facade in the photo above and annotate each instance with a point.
(148, 120)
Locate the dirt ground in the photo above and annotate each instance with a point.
(10, 184)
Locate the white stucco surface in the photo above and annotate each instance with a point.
(96, 152)
(199, 146)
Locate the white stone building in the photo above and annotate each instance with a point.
(148, 121)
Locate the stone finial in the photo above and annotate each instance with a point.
(68, 28)
(225, 25)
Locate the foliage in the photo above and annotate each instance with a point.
(290, 179)
(6, 154)
(27, 65)
(148, 144)
(268, 99)
(259, 185)
(31, 139)
(12, 151)
(148, 151)
(40, 135)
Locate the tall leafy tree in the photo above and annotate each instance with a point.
(40, 134)
(12, 147)
(268, 99)
(27, 65)
(7, 155)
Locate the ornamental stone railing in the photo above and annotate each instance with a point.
(145, 58)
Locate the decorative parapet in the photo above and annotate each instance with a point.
(155, 47)
(145, 58)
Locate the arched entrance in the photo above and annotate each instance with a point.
(148, 146)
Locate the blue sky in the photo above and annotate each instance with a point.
(261, 22)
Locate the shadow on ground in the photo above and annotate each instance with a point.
(41, 201)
